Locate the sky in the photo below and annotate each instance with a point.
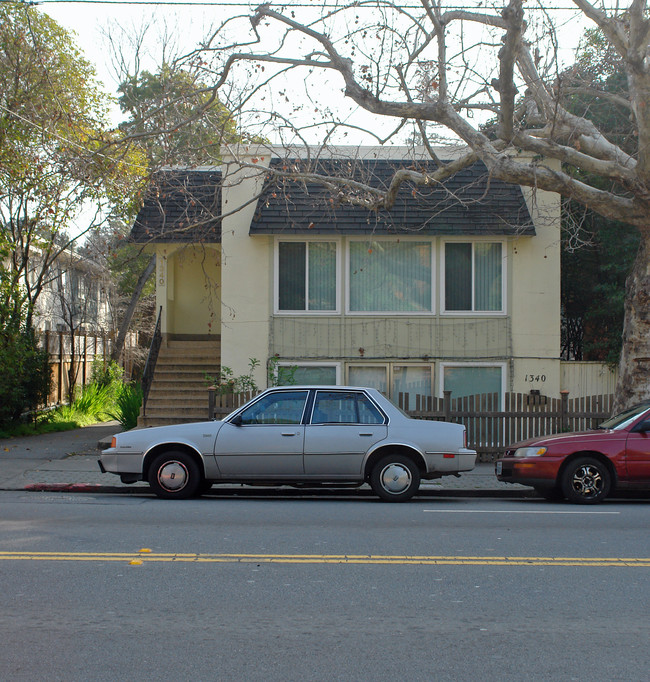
(90, 20)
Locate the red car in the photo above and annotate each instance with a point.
(584, 467)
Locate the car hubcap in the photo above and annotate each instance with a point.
(395, 478)
(587, 481)
(172, 476)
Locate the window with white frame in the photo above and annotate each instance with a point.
(326, 374)
(306, 276)
(393, 379)
(473, 379)
(370, 376)
(473, 277)
(390, 276)
(412, 381)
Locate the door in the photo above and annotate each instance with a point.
(267, 439)
(344, 426)
(637, 458)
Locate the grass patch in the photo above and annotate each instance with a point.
(31, 429)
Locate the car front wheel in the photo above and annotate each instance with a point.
(586, 480)
(174, 475)
(395, 478)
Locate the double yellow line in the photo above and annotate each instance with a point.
(147, 556)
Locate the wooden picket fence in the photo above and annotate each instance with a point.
(493, 422)
(222, 404)
(492, 426)
(78, 359)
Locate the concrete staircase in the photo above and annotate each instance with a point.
(179, 392)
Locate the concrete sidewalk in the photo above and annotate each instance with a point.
(67, 462)
(66, 457)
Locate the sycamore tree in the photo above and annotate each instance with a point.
(61, 172)
(445, 71)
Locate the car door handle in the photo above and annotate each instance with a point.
(366, 434)
(297, 433)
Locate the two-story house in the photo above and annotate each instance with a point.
(456, 288)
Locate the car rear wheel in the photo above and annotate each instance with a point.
(586, 480)
(174, 475)
(395, 478)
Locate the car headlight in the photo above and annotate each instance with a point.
(531, 452)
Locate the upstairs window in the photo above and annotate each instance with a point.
(306, 277)
(390, 277)
(473, 277)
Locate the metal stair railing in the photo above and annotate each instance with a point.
(150, 366)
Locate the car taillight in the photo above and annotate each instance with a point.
(464, 437)
(113, 442)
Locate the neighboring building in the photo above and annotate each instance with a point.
(76, 296)
(457, 288)
(74, 318)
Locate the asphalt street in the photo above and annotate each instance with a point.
(111, 587)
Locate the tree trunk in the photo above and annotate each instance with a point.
(634, 369)
(118, 347)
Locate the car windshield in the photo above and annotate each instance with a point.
(620, 421)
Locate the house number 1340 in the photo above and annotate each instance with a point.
(534, 378)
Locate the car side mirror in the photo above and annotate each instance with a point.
(236, 420)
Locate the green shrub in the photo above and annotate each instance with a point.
(94, 401)
(92, 404)
(128, 405)
(25, 380)
(227, 382)
(108, 374)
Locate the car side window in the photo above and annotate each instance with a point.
(285, 407)
(338, 407)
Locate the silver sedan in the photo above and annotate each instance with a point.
(295, 435)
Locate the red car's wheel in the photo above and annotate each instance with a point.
(586, 480)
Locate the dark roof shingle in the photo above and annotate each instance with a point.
(180, 206)
(469, 203)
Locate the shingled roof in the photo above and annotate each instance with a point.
(469, 203)
(184, 205)
(180, 206)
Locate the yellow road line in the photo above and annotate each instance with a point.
(379, 559)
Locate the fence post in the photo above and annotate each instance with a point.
(60, 391)
(564, 409)
(446, 405)
(84, 378)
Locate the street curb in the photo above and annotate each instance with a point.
(78, 488)
(257, 492)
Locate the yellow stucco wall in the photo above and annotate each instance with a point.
(245, 265)
(188, 287)
(534, 293)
